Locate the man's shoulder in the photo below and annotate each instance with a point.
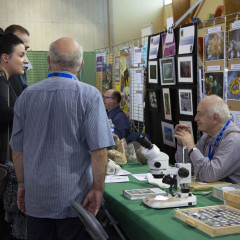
(232, 129)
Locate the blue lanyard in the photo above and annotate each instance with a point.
(59, 74)
(210, 154)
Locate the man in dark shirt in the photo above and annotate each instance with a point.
(120, 123)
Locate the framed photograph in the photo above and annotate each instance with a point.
(167, 103)
(214, 83)
(185, 101)
(154, 46)
(168, 134)
(214, 46)
(185, 69)
(153, 100)
(234, 44)
(167, 69)
(152, 72)
(233, 85)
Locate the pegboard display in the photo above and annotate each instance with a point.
(171, 89)
(123, 67)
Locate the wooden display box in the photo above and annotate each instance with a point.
(217, 231)
(196, 186)
(233, 198)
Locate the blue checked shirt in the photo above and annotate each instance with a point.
(57, 123)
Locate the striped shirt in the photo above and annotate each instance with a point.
(57, 123)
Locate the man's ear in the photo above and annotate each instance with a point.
(216, 117)
(48, 61)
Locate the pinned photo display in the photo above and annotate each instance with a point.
(167, 103)
(233, 85)
(185, 101)
(167, 68)
(185, 69)
(154, 46)
(186, 36)
(234, 44)
(214, 44)
(168, 134)
(214, 83)
(152, 72)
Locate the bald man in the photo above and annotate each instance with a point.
(112, 99)
(216, 155)
(59, 140)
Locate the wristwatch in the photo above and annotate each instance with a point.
(193, 149)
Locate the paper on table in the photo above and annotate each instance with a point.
(202, 183)
(140, 176)
(115, 179)
(123, 172)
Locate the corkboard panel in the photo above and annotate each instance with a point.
(231, 6)
(233, 61)
(214, 63)
(233, 105)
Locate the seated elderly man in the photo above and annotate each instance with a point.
(216, 155)
(111, 100)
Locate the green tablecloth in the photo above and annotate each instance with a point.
(141, 222)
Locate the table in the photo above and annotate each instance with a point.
(141, 222)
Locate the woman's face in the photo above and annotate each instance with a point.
(17, 60)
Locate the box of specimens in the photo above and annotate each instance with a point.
(233, 198)
(214, 220)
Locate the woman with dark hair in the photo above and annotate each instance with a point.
(12, 61)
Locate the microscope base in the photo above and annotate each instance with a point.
(169, 201)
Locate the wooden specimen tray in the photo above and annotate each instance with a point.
(212, 231)
(196, 186)
(233, 198)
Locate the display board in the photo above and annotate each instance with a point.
(171, 90)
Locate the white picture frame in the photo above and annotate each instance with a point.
(185, 101)
(168, 134)
(153, 72)
(167, 70)
(185, 69)
(167, 104)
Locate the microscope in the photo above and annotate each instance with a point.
(177, 177)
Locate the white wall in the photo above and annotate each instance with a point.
(48, 20)
(129, 16)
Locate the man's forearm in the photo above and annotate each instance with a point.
(99, 164)
(18, 165)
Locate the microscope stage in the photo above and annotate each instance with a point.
(169, 201)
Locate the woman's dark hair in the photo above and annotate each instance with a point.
(8, 42)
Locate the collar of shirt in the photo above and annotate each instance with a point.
(64, 72)
(113, 111)
(213, 139)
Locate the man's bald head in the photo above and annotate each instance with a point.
(65, 54)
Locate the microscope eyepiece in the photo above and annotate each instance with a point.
(145, 142)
